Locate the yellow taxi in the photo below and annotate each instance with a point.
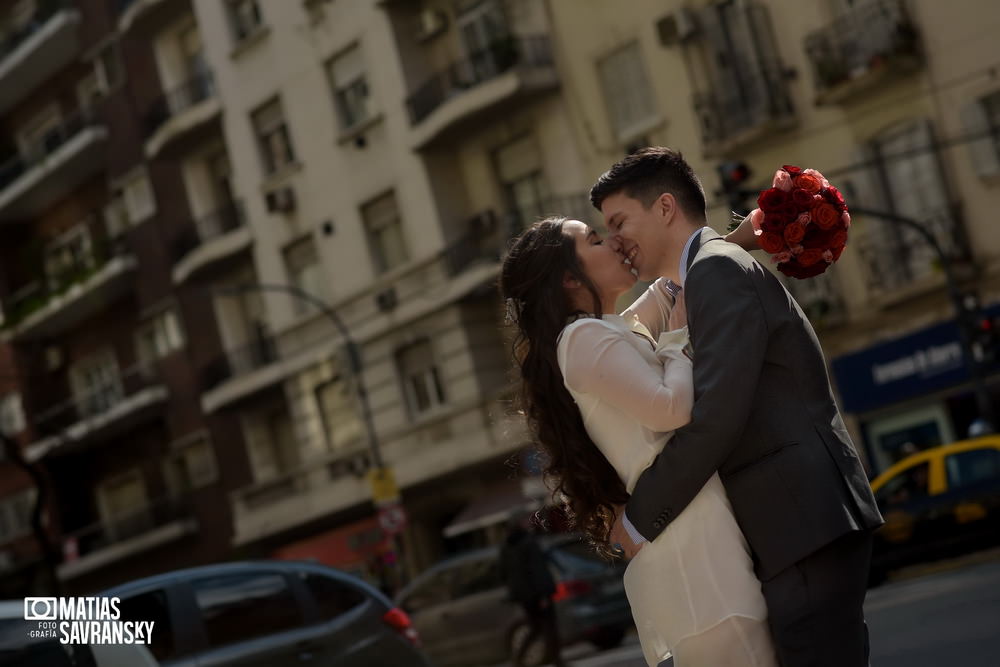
(938, 502)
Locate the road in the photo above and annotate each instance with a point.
(946, 618)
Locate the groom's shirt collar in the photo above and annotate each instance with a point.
(684, 255)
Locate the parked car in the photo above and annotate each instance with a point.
(269, 613)
(17, 647)
(464, 615)
(938, 502)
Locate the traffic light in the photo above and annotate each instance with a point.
(986, 339)
(733, 177)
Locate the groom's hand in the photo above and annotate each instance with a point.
(620, 538)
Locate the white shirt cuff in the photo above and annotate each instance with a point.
(633, 534)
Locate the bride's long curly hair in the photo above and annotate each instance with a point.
(532, 278)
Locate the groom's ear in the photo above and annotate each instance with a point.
(666, 206)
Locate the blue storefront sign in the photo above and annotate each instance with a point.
(922, 362)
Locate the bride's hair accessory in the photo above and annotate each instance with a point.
(513, 309)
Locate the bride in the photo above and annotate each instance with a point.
(603, 394)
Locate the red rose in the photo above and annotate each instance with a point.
(809, 183)
(833, 196)
(839, 239)
(771, 199)
(809, 256)
(821, 239)
(792, 170)
(825, 216)
(795, 232)
(795, 270)
(802, 199)
(773, 223)
(771, 243)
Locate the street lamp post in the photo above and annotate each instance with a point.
(983, 402)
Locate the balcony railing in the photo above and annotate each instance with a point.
(98, 401)
(34, 296)
(479, 67)
(897, 258)
(140, 521)
(738, 108)
(239, 361)
(197, 89)
(863, 39)
(44, 10)
(36, 154)
(208, 227)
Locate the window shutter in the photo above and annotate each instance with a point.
(984, 146)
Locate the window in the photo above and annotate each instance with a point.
(152, 606)
(15, 515)
(627, 90)
(385, 232)
(158, 337)
(908, 486)
(41, 134)
(68, 256)
(11, 414)
(244, 18)
(242, 607)
(973, 467)
(340, 420)
(350, 88)
(138, 197)
(191, 466)
(421, 380)
(305, 272)
(272, 137)
(332, 597)
(519, 166)
(96, 383)
(981, 120)
(124, 505)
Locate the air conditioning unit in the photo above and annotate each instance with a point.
(53, 358)
(431, 23)
(676, 27)
(280, 200)
(386, 300)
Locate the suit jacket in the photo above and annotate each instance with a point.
(764, 417)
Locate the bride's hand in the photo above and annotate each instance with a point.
(620, 538)
(744, 236)
(678, 314)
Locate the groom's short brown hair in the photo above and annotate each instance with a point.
(648, 173)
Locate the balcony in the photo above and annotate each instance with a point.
(487, 81)
(139, 14)
(743, 111)
(123, 403)
(320, 487)
(181, 116)
(863, 49)
(31, 55)
(241, 372)
(43, 309)
(900, 265)
(107, 542)
(64, 158)
(211, 239)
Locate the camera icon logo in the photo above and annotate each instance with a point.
(40, 609)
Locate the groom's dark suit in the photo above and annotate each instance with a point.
(765, 418)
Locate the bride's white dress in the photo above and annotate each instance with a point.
(692, 590)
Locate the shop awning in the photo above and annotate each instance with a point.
(497, 503)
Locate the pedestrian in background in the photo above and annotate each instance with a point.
(524, 568)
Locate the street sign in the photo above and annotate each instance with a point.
(392, 518)
(383, 484)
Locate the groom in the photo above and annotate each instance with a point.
(764, 418)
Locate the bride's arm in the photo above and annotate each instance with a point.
(600, 361)
(652, 308)
(743, 235)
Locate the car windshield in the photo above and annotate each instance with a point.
(577, 557)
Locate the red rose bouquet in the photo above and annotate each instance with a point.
(802, 222)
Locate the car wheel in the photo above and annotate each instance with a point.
(608, 638)
(534, 655)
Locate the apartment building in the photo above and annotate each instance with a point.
(102, 335)
(894, 100)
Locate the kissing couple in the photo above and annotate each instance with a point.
(697, 430)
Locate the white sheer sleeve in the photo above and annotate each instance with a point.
(596, 359)
(652, 308)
